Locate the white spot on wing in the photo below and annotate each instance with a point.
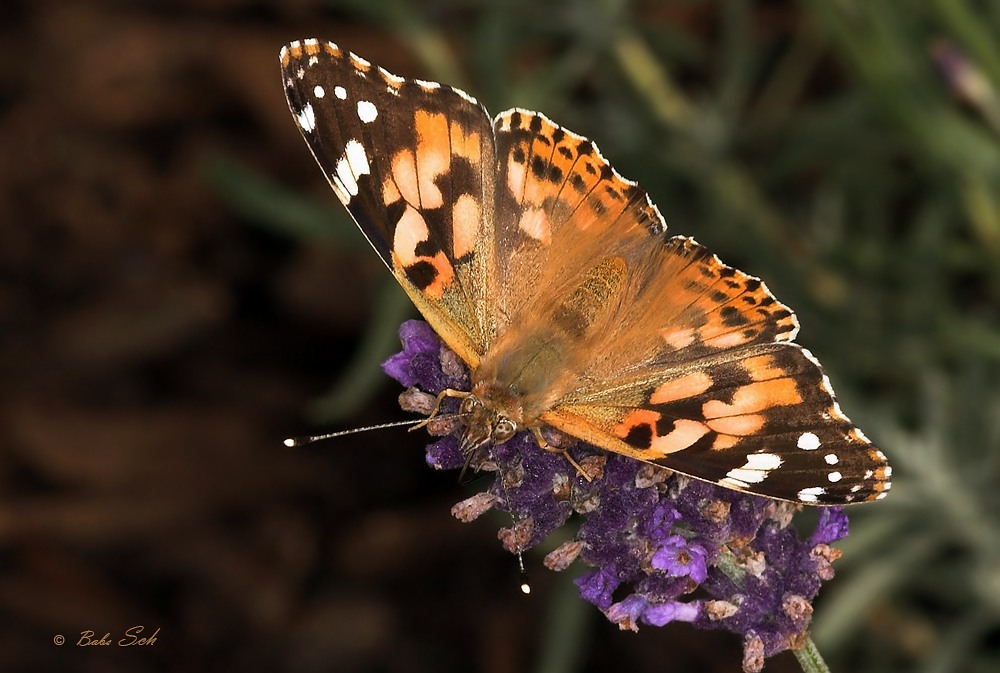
(319, 91)
(808, 441)
(356, 157)
(756, 469)
(831, 459)
(811, 494)
(762, 461)
(313, 60)
(340, 190)
(734, 483)
(340, 92)
(834, 477)
(427, 86)
(748, 476)
(367, 112)
(348, 182)
(306, 118)
(351, 166)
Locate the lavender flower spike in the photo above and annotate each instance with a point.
(652, 538)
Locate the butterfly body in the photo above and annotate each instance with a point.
(553, 278)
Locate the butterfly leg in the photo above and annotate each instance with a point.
(537, 432)
(447, 392)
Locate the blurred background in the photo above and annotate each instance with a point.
(180, 290)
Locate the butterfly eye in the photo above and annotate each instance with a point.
(503, 430)
(468, 404)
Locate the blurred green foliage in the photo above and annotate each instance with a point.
(847, 151)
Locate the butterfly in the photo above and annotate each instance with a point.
(553, 278)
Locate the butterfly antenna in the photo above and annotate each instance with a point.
(525, 582)
(302, 441)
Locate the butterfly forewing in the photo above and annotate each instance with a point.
(414, 164)
(552, 276)
(564, 213)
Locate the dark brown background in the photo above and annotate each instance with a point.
(163, 327)
(157, 348)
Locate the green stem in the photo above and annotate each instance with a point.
(808, 655)
(810, 659)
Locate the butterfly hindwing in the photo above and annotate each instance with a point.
(760, 418)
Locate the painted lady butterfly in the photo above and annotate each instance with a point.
(552, 277)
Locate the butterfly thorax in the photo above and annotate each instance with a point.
(531, 366)
(521, 377)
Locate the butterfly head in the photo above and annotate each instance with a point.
(484, 423)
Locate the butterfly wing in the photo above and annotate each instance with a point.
(414, 164)
(562, 211)
(682, 360)
(519, 243)
(759, 418)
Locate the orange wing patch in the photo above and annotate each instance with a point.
(685, 387)
(557, 178)
(413, 183)
(713, 307)
(750, 399)
(651, 431)
(432, 274)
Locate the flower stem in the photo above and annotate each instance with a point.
(810, 659)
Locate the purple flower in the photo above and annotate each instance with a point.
(832, 526)
(651, 538)
(597, 587)
(628, 613)
(672, 611)
(420, 363)
(677, 558)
